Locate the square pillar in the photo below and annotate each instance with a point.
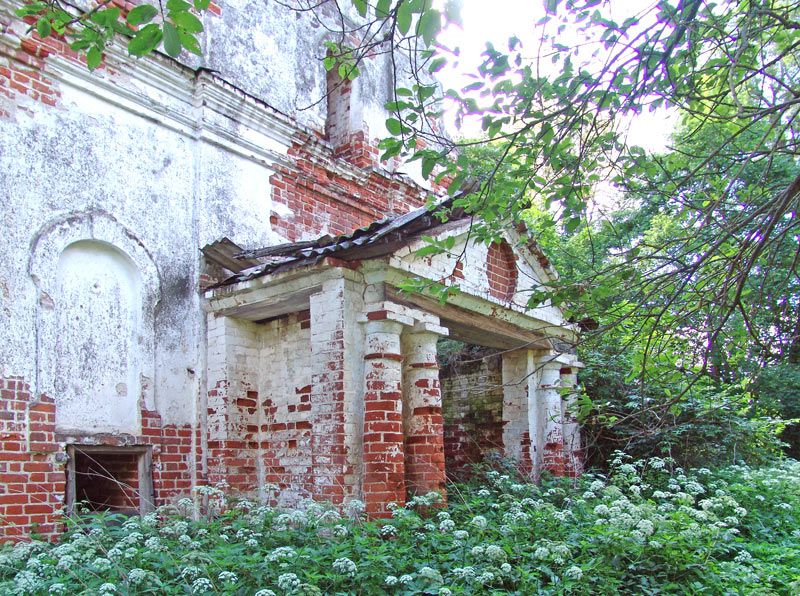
(520, 382)
(335, 433)
(383, 447)
(539, 431)
(423, 423)
(232, 419)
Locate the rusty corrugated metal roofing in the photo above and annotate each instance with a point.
(379, 238)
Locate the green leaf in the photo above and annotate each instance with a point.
(426, 91)
(329, 62)
(190, 42)
(202, 4)
(361, 7)
(94, 57)
(142, 14)
(43, 27)
(429, 25)
(428, 163)
(403, 18)
(172, 42)
(146, 40)
(393, 126)
(383, 8)
(437, 64)
(187, 21)
(551, 6)
(106, 18)
(178, 6)
(29, 9)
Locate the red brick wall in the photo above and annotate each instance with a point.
(107, 481)
(32, 478)
(33, 458)
(501, 271)
(323, 197)
(472, 399)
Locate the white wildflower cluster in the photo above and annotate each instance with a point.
(573, 573)
(290, 520)
(479, 522)
(356, 508)
(137, 576)
(201, 585)
(153, 544)
(345, 566)
(392, 580)
(288, 582)
(281, 554)
(429, 574)
(388, 531)
(265, 592)
(429, 499)
(228, 577)
(189, 573)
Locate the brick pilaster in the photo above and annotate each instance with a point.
(32, 479)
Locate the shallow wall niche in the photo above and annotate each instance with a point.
(94, 326)
(97, 299)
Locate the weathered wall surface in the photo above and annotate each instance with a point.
(472, 402)
(112, 181)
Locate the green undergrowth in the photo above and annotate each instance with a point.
(647, 528)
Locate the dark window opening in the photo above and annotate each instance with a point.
(104, 478)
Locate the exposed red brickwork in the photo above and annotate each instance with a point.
(21, 72)
(554, 459)
(107, 481)
(33, 458)
(472, 395)
(384, 465)
(501, 271)
(32, 478)
(329, 463)
(173, 456)
(525, 464)
(322, 197)
(233, 460)
(422, 416)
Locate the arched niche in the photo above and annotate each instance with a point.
(98, 288)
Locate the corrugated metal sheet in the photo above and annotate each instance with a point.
(379, 238)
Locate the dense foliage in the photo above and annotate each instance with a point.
(647, 528)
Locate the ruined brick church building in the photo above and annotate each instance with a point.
(199, 281)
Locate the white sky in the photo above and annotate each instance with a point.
(497, 20)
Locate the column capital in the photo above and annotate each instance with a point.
(386, 311)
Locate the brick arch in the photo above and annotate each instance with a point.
(501, 271)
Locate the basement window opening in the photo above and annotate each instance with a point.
(105, 478)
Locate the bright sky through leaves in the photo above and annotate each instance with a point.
(495, 22)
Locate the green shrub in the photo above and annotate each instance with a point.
(647, 528)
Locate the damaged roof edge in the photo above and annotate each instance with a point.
(380, 238)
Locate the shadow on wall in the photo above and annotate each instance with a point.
(472, 402)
